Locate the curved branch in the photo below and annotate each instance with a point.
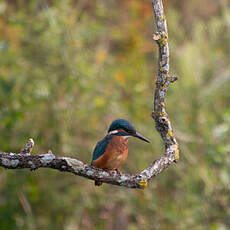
(65, 164)
(162, 122)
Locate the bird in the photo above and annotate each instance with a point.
(112, 151)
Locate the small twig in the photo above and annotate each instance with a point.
(28, 147)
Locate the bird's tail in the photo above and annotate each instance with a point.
(97, 183)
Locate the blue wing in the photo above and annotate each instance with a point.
(101, 147)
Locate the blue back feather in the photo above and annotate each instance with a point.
(101, 147)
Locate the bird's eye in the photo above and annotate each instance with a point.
(130, 132)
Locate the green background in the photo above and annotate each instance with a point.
(68, 68)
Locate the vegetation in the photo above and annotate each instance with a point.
(68, 68)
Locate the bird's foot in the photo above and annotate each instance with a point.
(109, 171)
(118, 172)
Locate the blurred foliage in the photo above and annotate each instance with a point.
(68, 68)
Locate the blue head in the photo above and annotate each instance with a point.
(122, 127)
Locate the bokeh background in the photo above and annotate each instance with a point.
(68, 68)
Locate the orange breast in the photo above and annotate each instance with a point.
(115, 154)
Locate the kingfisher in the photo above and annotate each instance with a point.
(112, 151)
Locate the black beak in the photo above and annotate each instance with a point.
(138, 135)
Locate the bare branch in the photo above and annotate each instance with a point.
(162, 124)
(66, 164)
